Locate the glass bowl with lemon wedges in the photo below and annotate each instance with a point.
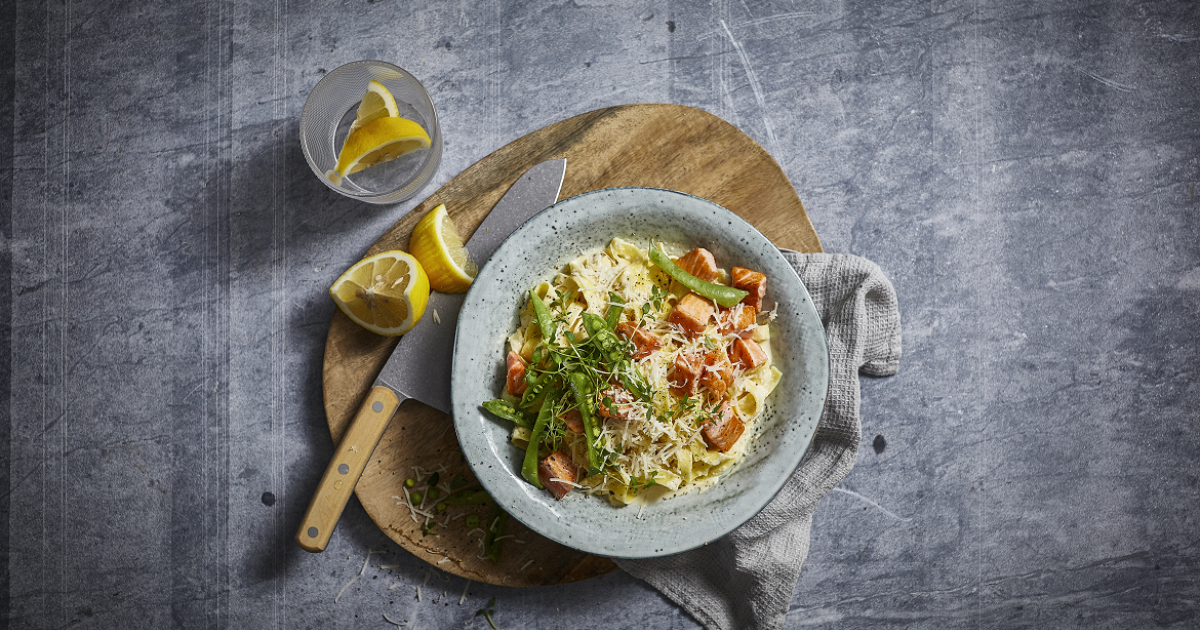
(370, 131)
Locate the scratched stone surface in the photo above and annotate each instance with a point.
(1025, 172)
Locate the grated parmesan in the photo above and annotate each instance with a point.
(360, 574)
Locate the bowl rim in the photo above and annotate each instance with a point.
(766, 497)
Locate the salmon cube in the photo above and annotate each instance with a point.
(752, 281)
(739, 319)
(746, 353)
(723, 430)
(621, 408)
(644, 341)
(516, 374)
(692, 314)
(557, 465)
(718, 373)
(574, 421)
(684, 376)
(700, 263)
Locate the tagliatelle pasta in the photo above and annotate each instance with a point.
(627, 384)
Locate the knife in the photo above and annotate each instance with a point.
(427, 380)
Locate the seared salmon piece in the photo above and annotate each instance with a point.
(692, 314)
(752, 281)
(516, 374)
(574, 421)
(644, 341)
(723, 431)
(747, 354)
(718, 373)
(622, 408)
(557, 465)
(700, 263)
(684, 378)
(738, 319)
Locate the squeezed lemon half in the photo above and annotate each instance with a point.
(376, 103)
(385, 293)
(376, 142)
(436, 244)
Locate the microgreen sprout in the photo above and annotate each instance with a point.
(487, 613)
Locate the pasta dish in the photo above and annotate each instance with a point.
(634, 374)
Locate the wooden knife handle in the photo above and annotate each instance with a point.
(349, 460)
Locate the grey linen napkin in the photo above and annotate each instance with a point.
(746, 578)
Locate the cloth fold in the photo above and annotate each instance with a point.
(745, 579)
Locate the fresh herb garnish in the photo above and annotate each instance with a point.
(487, 613)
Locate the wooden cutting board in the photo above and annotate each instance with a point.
(658, 145)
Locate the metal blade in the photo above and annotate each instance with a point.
(420, 365)
(536, 190)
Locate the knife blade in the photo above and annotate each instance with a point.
(426, 380)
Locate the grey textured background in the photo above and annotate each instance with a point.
(1025, 172)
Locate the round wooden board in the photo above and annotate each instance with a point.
(658, 145)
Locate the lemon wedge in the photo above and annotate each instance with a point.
(436, 244)
(377, 142)
(376, 103)
(385, 293)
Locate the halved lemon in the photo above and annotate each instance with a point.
(377, 142)
(385, 293)
(376, 103)
(436, 244)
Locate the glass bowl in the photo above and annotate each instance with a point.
(331, 108)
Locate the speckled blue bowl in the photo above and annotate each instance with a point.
(534, 253)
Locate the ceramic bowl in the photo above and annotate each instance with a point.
(535, 252)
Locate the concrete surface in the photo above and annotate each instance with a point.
(1025, 172)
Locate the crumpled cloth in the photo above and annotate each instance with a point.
(745, 579)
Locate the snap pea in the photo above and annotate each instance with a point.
(545, 320)
(603, 338)
(615, 306)
(582, 391)
(506, 411)
(594, 325)
(723, 295)
(529, 467)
